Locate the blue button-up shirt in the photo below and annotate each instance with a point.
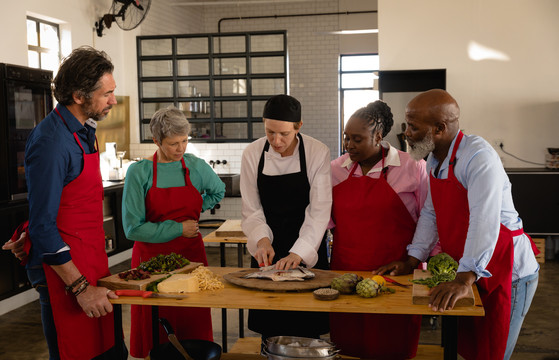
(53, 159)
(479, 169)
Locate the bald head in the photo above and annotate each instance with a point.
(435, 106)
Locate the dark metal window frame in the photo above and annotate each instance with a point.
(212, 78)
(343, 89)
(38, 48)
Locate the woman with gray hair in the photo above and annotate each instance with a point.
(162, 201)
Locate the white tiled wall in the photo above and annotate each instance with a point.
(231, 152)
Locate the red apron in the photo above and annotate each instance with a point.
(178, 204)
(80, 223)
(484, 337)
(373, 228)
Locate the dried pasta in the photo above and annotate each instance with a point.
(207, 280)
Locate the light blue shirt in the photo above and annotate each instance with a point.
(479, 169)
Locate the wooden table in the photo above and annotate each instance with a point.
(240, 241)
(236, 297)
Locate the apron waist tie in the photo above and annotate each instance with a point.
(532, 243)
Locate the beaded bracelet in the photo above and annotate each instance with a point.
(75, 283)
(82, 288)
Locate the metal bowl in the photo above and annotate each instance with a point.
(281, 357)
(300, 347)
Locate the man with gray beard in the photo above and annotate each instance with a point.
(470, 210)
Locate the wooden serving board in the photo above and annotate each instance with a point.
(420, 293)
(322, 278)
(230, 228)
(113, 282)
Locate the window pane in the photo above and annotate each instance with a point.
(199, 109)
(258, 130)
(151, 108)
(49, 37)
(230, 66)
(193, 67)
(230, 109)
(230, 87)
(231, 130)
(33, 59)
(147, 132)
(266, 42)
(49, 61)
(156, 47)
(356, 99)
(268, 86)
(201, 130)
(360, 80)
(157, 68)
(192, 46)
(258, 108)
(157, 89)
(32, 38)
(194, 88)
(228, 44)
(267, 65)
(361, 62)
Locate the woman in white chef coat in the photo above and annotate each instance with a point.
(286, 200)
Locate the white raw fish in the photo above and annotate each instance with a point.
(269, 272)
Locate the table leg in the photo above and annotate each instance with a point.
(222, 253)
(241, 312)
(224, 329)
(155, 325)
(240, 255)
(119, 340)
(449, 333)
(241, 323)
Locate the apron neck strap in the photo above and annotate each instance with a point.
(453, 156)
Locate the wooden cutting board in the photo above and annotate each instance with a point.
(420, 293)
(230, 228)
(322, 278)
(113, 282)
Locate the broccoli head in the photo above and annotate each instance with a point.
(441, 264)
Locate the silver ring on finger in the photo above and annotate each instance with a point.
(90, 314)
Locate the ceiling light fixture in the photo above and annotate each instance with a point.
(232, 2)
(353, 32)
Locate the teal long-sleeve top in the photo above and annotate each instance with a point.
(139, 179)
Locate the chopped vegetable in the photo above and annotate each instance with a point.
(134, 274)
(162, 264)
(442, 267)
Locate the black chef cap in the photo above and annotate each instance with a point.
(283, 108)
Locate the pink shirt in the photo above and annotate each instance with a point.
(406, 176)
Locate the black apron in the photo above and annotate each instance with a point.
(284, 199)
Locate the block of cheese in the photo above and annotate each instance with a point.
(179, 283)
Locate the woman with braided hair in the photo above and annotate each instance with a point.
(378, 192)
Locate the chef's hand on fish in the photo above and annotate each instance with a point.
(291, 261)
(265, 253)
(190, 228)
